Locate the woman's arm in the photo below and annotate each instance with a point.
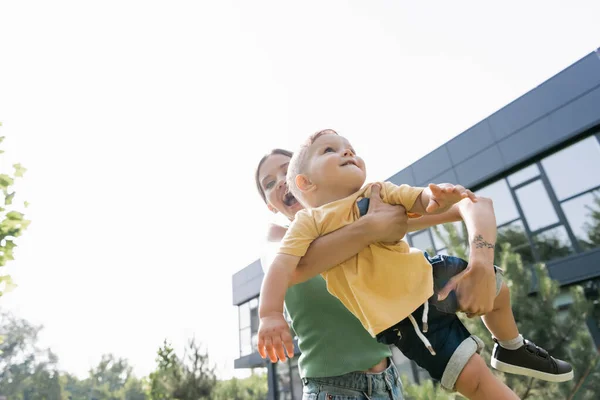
(476, 286)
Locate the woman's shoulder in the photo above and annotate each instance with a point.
(275, 232)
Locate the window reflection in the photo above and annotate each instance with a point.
(244, 311)
(525, 174)
(254, 341)
(248, 320)
(514, 234)
(245, 342)
(422, 241)
(504, 205)
(583, 214)
(448, 234)
(443, 252)
(574, 169)
(552, 244)
(253, 312)
(536, 205)
(289, 384)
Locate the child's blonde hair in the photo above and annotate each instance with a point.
(298, 163)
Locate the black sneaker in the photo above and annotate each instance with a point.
(531, 360)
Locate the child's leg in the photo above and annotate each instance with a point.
(512, 353)
(515, 355)
(456, 364)
(476, 382)
(501, 321)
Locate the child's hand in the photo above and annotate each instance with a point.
(273, 336)
(445, 195)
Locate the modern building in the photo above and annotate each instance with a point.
(538, 158)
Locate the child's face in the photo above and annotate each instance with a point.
(332, 163)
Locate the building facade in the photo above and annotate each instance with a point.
(538, 158)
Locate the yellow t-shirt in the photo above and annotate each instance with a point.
(381, 285)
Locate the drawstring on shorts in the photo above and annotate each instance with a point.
(425, 327)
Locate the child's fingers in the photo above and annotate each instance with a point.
(432, 206)
(467, 194)
(435, 189)
(288, 342)
(270, 351)
(472, 196)
(278, 346)
(261, 346)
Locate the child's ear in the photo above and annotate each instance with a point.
(304, 184)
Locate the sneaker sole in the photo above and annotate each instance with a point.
(513, 369)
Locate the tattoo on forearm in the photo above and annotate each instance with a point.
(481, 243)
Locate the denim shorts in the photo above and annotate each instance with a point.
(444, 268)
(453, 343)
(385, 385)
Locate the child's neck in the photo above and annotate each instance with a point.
(329, 195)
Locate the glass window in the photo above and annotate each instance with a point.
(553, 243)
(244, 315)
(254, 321)
(284, 381)
(441, 234)
(536, 205)
(504, 205)
(583, 214)
(443, 252)
(571, 170)
(514, 234)
(422, 241)
(254, 341)
(523, 175)
(296, 380)
(245, 342)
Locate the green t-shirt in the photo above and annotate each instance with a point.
(332, 340)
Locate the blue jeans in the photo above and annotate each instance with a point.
(355, 386)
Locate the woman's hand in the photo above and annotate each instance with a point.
(383, 222)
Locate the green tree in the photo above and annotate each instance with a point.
(74, 388)
(255, 387)
(187, 378)
(30, 373)
(26, 371)
(548, 245)
(112, 379)
(562, 331)
(593, 224)
(12, 221)
(426, 391)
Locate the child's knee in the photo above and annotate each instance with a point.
(503, 297)
(469, 380)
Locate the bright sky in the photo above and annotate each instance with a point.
(140, 123)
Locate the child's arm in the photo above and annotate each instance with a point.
(274, 332)
(436, 199)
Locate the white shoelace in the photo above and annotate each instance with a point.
(425, 327)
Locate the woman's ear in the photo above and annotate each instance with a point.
(272, 209)
(304, 184)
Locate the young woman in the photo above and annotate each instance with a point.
(339, 358)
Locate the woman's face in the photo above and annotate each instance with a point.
(271, 176)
